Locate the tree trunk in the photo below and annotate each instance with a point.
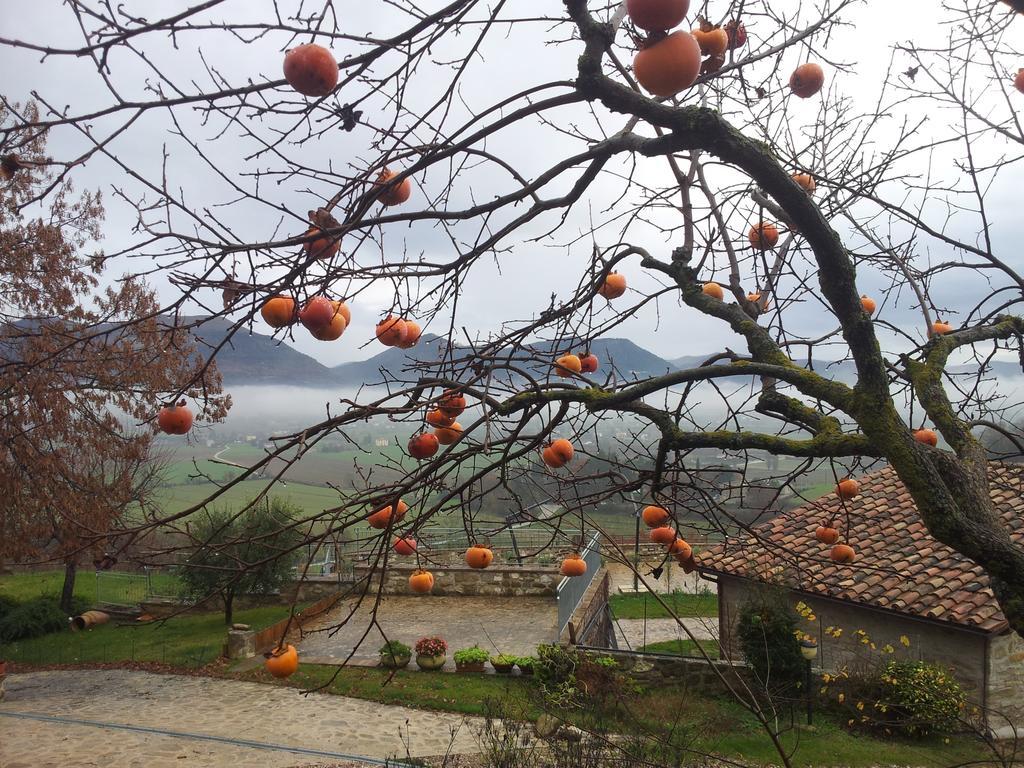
(229, 598)
(67, 593)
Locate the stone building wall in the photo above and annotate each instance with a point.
(1006, 683)
(961, 650)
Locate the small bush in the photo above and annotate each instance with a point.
(917, 698)
(555, 669)
(526, 662)
(36, 617)
(472, 655)
(767, 634)
(395, 649)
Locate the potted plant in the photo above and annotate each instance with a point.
(525, 664)
(503, 663)
(395, 655)
(431, 652)
(470, 659)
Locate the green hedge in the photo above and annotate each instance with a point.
(34, 618)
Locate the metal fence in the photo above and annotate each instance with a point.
(571, 590)
(524, 539)
(119, 589)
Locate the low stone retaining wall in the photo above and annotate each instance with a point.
(163, 607)
(498, 581)
(461, 580)
(590, 623)
(698, 674)
(244, 643)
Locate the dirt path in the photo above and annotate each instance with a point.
(129, 719)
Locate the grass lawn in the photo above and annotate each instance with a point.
(711, 724)
(681, 647)
(188, 641)
(25, 586)
(703, 605)
(447, 692)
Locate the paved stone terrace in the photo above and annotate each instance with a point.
(198, 705)
(513, 625)
(631, 634)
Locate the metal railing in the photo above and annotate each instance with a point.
(571, 590)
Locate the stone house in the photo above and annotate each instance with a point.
(905, 589)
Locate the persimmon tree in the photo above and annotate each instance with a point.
(76, 361)
(751, 196)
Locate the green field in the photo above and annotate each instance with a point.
(311, 498)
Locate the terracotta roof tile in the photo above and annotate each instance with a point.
(899, 565)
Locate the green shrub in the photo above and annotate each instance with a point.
(472, 655)
(7, 603)
(396, 649)
(36, 617)
(767, 634)
(555, 669)
(918, 698)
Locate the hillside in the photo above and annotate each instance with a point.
(256, 358)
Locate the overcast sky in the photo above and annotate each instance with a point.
(515, 285)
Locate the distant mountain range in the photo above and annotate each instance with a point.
(259, 359)
(256, 358)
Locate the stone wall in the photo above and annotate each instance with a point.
(1006, 684)
(590, 624)
(312, 588)
(961, 650)
(162, 607)
(698, 674)
(499, 581)
(508, 581)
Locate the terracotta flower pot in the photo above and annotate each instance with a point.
(470, 666)
(502, 669)
(427, 663)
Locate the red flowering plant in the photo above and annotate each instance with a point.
(431, 646)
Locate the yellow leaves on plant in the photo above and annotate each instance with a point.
(904, 641)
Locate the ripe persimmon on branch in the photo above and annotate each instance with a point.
(744, 183)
